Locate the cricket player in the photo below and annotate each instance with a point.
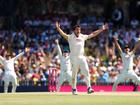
(76, 42)
(65, 66)
(9, 72)
(127, 59)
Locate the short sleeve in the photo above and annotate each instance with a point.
(132, 53)
(85, 37)
(69, 38)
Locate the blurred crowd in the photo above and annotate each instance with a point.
(38, 34)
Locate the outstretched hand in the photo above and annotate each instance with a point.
(27, 49)
(115, 37)
(57, 41)
(139, 39)
(57, 24)
(105, 27)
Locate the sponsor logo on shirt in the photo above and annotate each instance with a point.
(78, 40)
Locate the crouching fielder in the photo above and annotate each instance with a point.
(65, 67)
(9, 72)
(127, 59)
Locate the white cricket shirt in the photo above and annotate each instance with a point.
(65, 64)
(77, 44)
(127, 60)
(9, 64)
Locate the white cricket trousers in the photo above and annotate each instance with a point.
(127, 74)
(64, 76)
(10, 76)
(77, 63)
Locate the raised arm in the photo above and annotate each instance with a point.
(47, 56)
(1, 59)
(19, 55)
(22, 53)
(61, 32)
(32, 57)
(58, 48)
(117, 44)
(136, 45)
(97, 32)
(42, 51)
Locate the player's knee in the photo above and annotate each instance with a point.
(73, 80)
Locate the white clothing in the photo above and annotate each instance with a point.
(127, 60)
(65, 64)
(64, 77)
(80, 63)
(65, 68)
(9, 64)
(77, 44)
(9, 72)
(128, 72)
(77, 58)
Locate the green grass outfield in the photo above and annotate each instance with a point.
(44, 98)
